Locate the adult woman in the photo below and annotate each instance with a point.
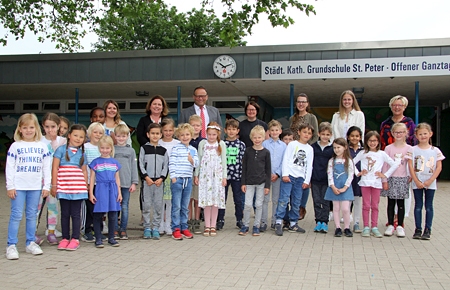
(398, 106)
(349, 115)
(112, 119)
(156, 110)
(302, 116)
(245, 126)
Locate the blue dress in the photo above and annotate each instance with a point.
(106, 191)
(339, 177)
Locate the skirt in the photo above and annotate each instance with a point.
(398, 188)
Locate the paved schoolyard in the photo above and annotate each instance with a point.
(229, 261)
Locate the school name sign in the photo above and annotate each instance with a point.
(356, 68)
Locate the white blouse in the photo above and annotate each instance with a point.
(340, 126)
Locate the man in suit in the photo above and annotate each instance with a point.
(207, 113)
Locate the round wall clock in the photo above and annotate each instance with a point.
(224, 66)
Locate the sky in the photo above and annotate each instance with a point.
(335, 21)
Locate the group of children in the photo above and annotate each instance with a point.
(180, 176)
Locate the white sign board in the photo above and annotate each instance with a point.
(356, 68)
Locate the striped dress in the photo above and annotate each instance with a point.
(106, 190)
(71, 183)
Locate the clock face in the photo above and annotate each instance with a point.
(224, 66)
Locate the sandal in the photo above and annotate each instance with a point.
(207, 232)
(212, 232)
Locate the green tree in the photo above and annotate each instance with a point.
(142, 25)
(66, 22)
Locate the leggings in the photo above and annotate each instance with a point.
(210, 213)
(391, 210)
(70, 210)
(371, 199)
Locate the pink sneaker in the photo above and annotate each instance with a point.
(63, 244)
(73, 245)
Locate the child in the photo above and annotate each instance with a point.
(425, 165)
(182, 162)
(167, 141)
(323, 151)
(126, 156)
(235, 153)
(153, 162)
(396, 187)
(95, 132)
(50, 122)
(63, 126)
(372, 160)
(196, 122)
(287, 136)
(69, 178)
(354, 135)
(211, 176)
(340, 175)
(297, 169)
(28, 176)
(256, 173)
(107, 196)
(97, 114)
(276, 148)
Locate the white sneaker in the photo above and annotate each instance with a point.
(389, 231)
(400, 232)
(330, 216)
(168, 229)
(162, 228)
(58, 234)
(12, 253)
(34, 249)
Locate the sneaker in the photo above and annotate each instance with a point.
(376, 233)
(12, 253)
(113, 243)
(296, 229)
(147, 234)
(99, 245)
(356, 228)
(285, 226)
(51, 239)
(104, 238)
(272, 227)
(318, 227)
(162, 229)
(176, 235)
(256, 231)
(197, 229)
(34, 249)
(400, 232)
(366, 232)
(239, 224)
(338, 232)
(168, 230)
(348, 233)
(187, 234)
(123, 235)
(73, 245)
(389, 231)
(324, 228)
(57, 233)
(38, 240)
(263, 228)
(88, 237)
(116, 235)
(190, 224)
(220, 225)
(243, 231)
(278, 230)
(155, 234)
(63, 244)
(426, 234)
(417, 234)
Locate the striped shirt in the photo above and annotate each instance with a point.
(179, 165)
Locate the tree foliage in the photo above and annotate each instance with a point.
(143, 25)
(66, 22)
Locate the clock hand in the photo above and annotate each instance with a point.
(221, 65)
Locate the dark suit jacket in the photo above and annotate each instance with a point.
(213, 113)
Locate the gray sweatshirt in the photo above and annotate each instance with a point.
(127, 159)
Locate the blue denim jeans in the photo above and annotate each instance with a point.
(290, 191)
(305, 196)
(124, 213)
(29, 198)
(429, 212)
(181, 194)
(237, 197)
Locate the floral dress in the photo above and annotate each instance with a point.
(210, 189)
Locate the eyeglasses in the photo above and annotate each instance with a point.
(200, 96)
(372, 141)
(302, 102)
(397, 106)
(399, 132)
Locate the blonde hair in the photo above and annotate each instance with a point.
(403, 125)
(195, 118)
(354, 103)
(117, 117)
(403, 99)
(93, 126)
(274, 123)
(258, 129)
(215, 126)
(184, 127)
(425, 126)
(26, 119)
(106, 140)
(121, 129)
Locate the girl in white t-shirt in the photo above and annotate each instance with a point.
(372, 160)
(425, 165)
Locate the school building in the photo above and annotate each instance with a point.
(72, 84)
